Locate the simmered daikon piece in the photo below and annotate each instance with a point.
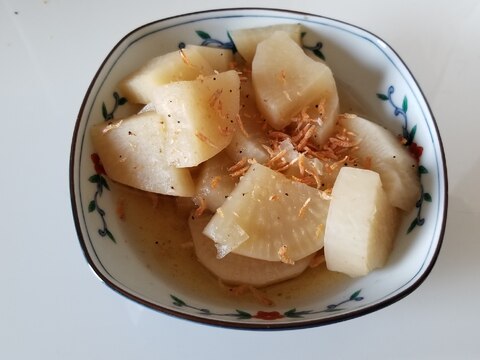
(246, 40)
(270, 217)
(236, 269)
(219, 59)
(361, 223)
(199, 116)
(287, 82)
(184, 64)
(386, 155)
(133, 153)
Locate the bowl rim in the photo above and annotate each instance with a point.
(308, 323)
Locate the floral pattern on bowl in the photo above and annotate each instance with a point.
(358, 59)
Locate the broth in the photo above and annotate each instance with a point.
(156, 229)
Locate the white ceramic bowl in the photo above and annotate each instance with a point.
(366, 69)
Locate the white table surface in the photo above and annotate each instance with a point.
(51, 304)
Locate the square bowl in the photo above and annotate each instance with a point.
(368, 72)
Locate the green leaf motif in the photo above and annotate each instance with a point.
(203, 34)
(110, 235)
(243, 314)
(177, 301)
(405, 104)
(302, 34)
(104, 111)
(122, 101)
(355, 295)
(411, 134)
(422, 170)
(104, 183)
(94, 178)
(92, 206)
(292, 313)
(412, 225)
(319, 54)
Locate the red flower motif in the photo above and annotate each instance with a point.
(268, 315)
(415, 150)
(97, 164)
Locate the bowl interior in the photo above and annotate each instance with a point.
(372, 81)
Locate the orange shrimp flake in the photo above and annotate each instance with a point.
(240, 126)
(201, 206)
(205, 139)
(302, 210)
(240, 168)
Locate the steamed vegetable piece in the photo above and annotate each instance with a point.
(246, 40)
(287, 82)
(361, 223)
(133, 153)
(237, 269)
(177, 65)
(270, 217)
(220, 60)
(199, 116)
(397, 168)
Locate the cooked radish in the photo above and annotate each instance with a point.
(270, 217)
(237, 269)
(219, 59)
(185, 64)
(287, 82)
(361, 223)
(133, 152)
(246, 40)
(387, 156)
(199, 116)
